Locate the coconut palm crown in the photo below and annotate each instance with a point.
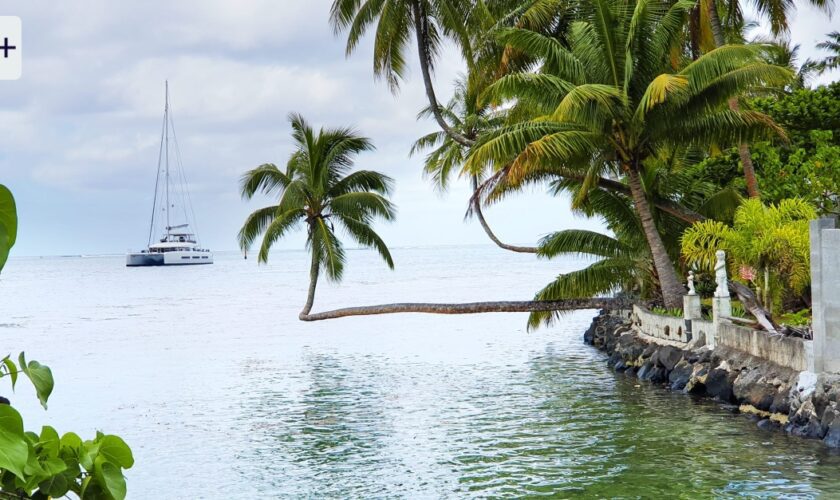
(617, 95)
(318, 190)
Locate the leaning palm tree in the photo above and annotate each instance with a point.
(446, 156)
(429, 22)
(623, 260)
(319, 190)
(619, 97)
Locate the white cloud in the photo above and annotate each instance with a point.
(79, 133)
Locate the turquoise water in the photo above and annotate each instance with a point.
(222, 393)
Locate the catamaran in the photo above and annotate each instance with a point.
(177, 244)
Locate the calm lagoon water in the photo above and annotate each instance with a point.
(223, 393)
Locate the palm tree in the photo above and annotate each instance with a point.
(619, 98)
(319, 190)
(470, 27)
(623, 259)
(446, 156)
(831, 45)
(785, 54)
(397, 21)
(624, 262)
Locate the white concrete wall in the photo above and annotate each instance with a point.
(825, 294)
(658, 326)
(702, 327)
(790, 352)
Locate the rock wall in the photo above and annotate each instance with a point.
(797, 402)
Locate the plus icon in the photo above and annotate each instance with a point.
(6, 48)
(11, 48)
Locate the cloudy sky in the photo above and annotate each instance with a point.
(79, 133)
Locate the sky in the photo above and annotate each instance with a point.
(80, 131)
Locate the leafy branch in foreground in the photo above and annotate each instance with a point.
(47, 465)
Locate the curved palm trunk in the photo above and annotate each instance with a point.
(743, 148)
(672, 289)
(476, 204)
(313, 282)
(421, 34)
(469, 308)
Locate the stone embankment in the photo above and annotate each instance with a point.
(799, 403)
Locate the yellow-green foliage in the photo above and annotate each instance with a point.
(774, 237)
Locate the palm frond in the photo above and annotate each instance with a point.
(266, 178)
(276, 229)
(330, 251)
(581, 242)
(366, 236)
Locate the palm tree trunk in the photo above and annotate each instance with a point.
(421, 34)
(313, 282)
(746, 161)
(470, 308)
(672, 289)
(476, 206)
(743, 148)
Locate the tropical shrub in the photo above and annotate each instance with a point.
(767, 246)
(675, 312)
(46, 465)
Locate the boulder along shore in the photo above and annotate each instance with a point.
(799, 403)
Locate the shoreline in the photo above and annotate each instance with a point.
(782, 399)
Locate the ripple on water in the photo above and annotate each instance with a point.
(227, 395)
(561, 425)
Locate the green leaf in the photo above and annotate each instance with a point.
(49, 441)
(8, 223)
(41, 377)
(71, 441)
(88, 453)
(14, 450)
(110, 477)
(85, 485)
(116, 450)
(56, 486)
(53, 466)
(8, 214)
(11, 368)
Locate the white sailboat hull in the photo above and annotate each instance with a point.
(174, 258)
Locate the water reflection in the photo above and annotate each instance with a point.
(559, 424)
(318, 426)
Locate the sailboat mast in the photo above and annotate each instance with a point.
(166, 120)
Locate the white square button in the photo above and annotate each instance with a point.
(11, 61)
